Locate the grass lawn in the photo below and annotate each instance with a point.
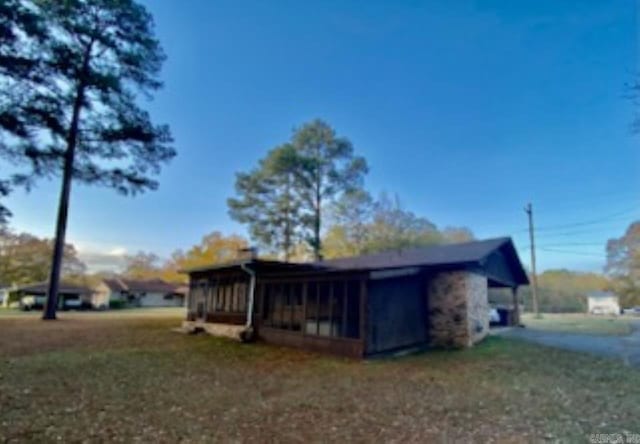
(107, 377)
(580, 323)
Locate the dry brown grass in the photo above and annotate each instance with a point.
(103, 378)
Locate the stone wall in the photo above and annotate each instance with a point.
(478, 307)
(458, 309)
(216, 329)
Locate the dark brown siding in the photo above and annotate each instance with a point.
(397, 314)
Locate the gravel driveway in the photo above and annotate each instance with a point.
(626, 348)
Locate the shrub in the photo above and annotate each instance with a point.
(117, 304)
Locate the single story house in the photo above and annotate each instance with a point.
(34, 296)
(137, 293)
(359, 306)
(603, 303)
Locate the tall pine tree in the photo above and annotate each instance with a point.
(21, 35)
(84, 121)
(327, 168)
(267, 201)
(282, 200)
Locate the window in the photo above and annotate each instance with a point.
(228, 297)
(311, 323)
(242, 297)
(277, 305)
(220, 296)
(332, 307)
(324, 310)
(337, 307)
(296, 306)
(211, 295)
(285, 308)
(283, 305)
(352, 310)
(266, 304)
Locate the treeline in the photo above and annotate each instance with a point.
(26, 259)
(559, 291)
(214, 248)
(361, 225)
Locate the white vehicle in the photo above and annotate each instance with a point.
(494, 316)
(32, 302)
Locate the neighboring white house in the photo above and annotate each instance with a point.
(603, 303)
(137, 293)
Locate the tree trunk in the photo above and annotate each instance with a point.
(316, 227)
(63, 205)
(287, 226)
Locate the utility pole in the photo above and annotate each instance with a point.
(529, 210)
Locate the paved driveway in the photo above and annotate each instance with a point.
(626, 348)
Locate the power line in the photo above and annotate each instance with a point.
(605, 219)
(608, 219)
(579, 253)
(569, 244)
(577, 244)
(579, 232)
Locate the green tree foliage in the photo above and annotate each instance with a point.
(455, 235)
(393, 227)
(559, 291)
(564, 291)
(361, 225)
(142, 265)
(282, 200)
(350, 218)
(327, 169)
(267, 201)
(96, 56)
(20, 73)
(214, 248)
(24, 259)
(623, 265)
(83, 120)
(5, 214)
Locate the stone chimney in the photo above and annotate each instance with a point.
(248, 254)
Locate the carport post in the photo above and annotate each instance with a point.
(516, 306)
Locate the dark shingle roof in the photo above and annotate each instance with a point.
(142, 286)
(263, 265)
(448, 254)
(43, 287)
(496, 257)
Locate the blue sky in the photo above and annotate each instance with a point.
(466, 109)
